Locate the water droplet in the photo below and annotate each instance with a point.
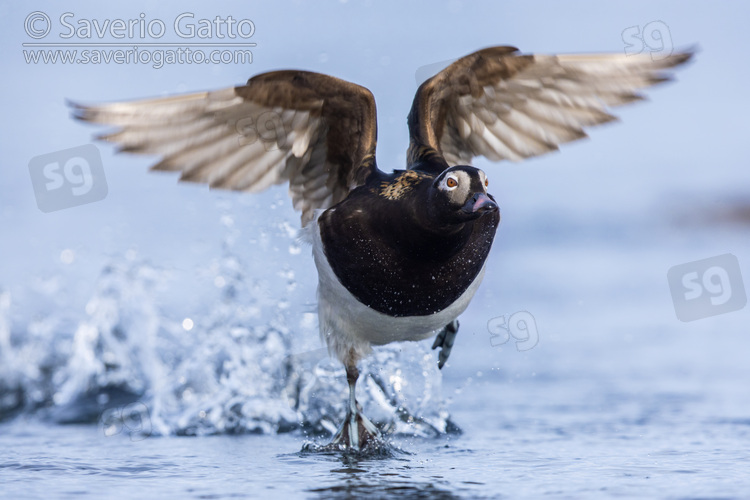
(227, 220)
(67, 256)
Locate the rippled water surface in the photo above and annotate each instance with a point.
(615, 400)
(658, 444)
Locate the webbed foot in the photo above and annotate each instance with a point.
(357, 431)
(444, 340)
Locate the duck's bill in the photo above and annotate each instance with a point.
(480, 203)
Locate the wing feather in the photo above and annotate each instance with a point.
(316, 132)
(504, 105)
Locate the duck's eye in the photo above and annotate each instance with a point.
(486, 183)
(451, 182)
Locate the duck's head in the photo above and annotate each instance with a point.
(459, 194)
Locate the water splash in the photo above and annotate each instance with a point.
(399, 388)
(230, 368)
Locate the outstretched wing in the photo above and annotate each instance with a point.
(504, 105)
(315, 131)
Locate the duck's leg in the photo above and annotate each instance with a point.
(357, 430)
(444, 340)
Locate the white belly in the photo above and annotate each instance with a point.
(346, 323)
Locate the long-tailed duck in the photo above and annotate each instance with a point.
(399, 255)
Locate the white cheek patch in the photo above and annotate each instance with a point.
(460, 194)
(483, 180)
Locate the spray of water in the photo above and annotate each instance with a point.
(131, 364)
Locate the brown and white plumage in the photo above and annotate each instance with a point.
(399, 256)
(314, 131)
(318, 132)
(504, 105)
